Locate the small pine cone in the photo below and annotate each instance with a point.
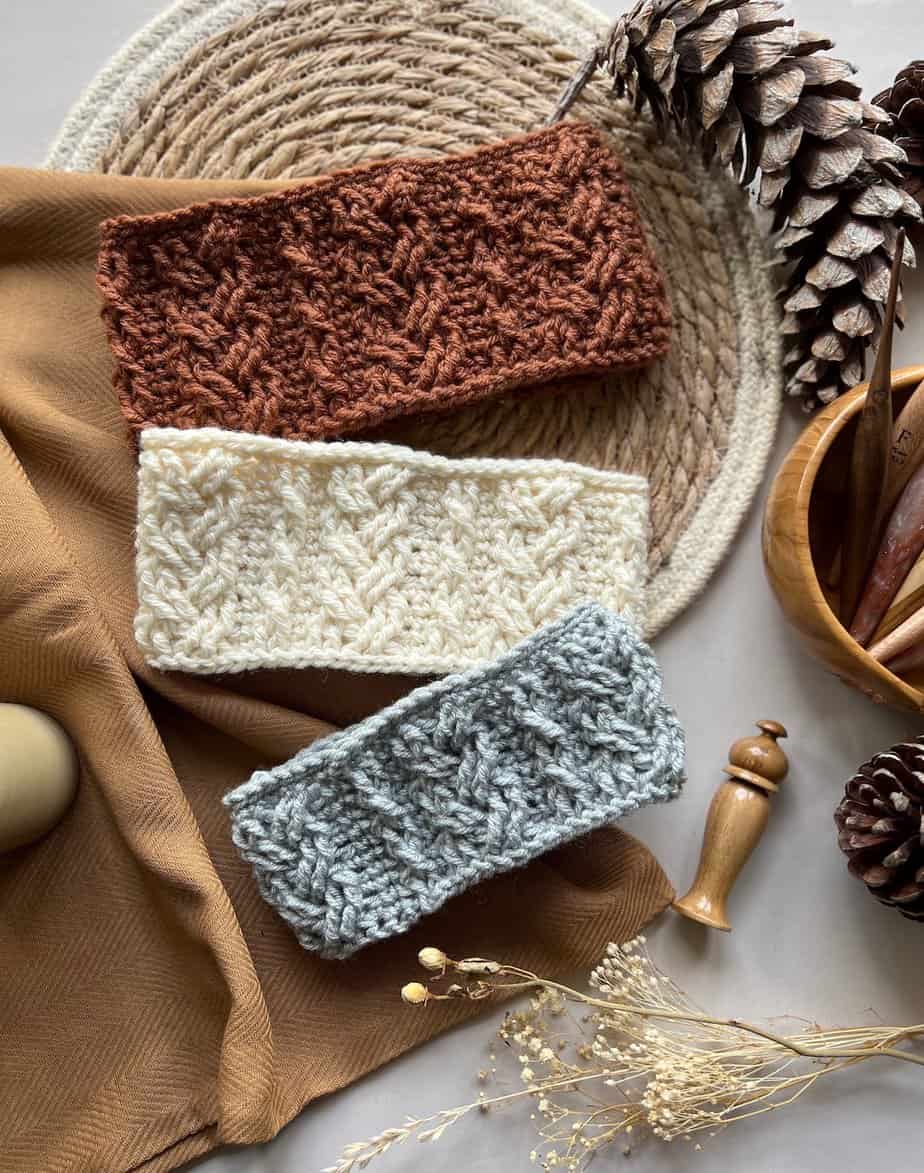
(880, 829)
(905, 102)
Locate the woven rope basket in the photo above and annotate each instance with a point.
(270, 89)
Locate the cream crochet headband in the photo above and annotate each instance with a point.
(255, 552)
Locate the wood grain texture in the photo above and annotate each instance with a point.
(737, 816)
(910, 661)
(798, 522)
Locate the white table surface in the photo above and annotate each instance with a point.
(807, 939)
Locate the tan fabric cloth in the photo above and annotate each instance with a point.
(151, 1006)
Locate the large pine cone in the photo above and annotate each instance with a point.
(905, 102)
(880, 826)
(764, 98)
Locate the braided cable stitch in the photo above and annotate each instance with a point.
(368, 830)
(393, 289)
(255, 552)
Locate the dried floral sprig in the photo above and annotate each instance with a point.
(643, 1060)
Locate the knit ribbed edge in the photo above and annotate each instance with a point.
(151, 540)
(335, 750)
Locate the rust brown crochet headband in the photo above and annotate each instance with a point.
(408, 286)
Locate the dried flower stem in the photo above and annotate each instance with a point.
(358, 1155)
(673, 1070)
(788, 1042)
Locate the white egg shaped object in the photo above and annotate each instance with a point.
(38, 774)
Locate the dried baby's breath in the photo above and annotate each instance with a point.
(642, 1060)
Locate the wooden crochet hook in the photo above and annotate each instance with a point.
(909, 599)
(905, 636)
(869, 459)
(735, 822)
(905, 451)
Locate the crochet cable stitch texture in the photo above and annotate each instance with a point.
(402, 287)
(368, 830)
(254, 552)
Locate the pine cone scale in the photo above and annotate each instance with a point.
(773, 96)
(755, 55)
(874, 876)
(821, 73)
(864, 847)
(914, 151)
(907, 903)
(911, 113)
(702, 46)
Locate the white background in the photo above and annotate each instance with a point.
(807, 939)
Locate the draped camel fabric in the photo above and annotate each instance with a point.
(151, 1005)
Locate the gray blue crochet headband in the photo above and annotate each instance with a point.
(368, 830)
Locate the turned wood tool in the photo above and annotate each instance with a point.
(869, 459)
(909, 661)
(735, 822)
(902, 543)
(905, 636)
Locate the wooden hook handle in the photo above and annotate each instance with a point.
(735, 822)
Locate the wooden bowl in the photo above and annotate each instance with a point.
(802, 529)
